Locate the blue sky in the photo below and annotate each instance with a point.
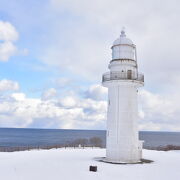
(21, 15)
(57, 50)
(35, 22)
(28, 70)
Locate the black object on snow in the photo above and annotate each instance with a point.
(93, 168)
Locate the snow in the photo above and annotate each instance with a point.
(69, 164)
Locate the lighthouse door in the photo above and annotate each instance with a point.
(129, 74)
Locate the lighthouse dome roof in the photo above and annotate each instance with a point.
(122, 40)
(123, 48)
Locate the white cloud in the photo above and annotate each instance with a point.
(52, 111)
(159, 112)
(8, 85)
(8, 35)
(62, 82)
(156, 112)
(7, 49)
(19, 96)
(97, 92)
(81, 42)
(30, 112)
(49, 93)
(68, 101)
(86, 34)
(8, 32)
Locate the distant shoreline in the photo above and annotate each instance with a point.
(54, 129)
(16, 139)
(28, 148)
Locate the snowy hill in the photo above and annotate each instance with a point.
(69, 164)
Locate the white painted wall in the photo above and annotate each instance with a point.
(122, 128)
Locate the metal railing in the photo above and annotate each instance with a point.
(122, 76)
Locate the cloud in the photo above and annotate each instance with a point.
(97, 92)
(68, 102)
(63, 81)
(52, 111)
(159, 112)
(68, 112)
(7, 49)
(81, 41)
(8, 35)
(49, 93)
(77, 41)
(8, 32)
(18, 96)
(76, 111)
(8, 85)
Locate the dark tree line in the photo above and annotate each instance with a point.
(82, 142)
(94, 141)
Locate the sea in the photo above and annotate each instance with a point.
(23, 137)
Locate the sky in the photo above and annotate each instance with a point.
(53, 54)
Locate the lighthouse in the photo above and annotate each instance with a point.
(123, 80)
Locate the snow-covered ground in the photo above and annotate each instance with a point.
(73, 164)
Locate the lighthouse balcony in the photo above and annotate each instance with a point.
(109, 76)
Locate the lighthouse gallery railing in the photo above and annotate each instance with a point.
(122, 76)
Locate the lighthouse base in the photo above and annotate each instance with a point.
(120, 162)
(124, 156)
(141, 161)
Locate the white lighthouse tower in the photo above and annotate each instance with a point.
(123, 80)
